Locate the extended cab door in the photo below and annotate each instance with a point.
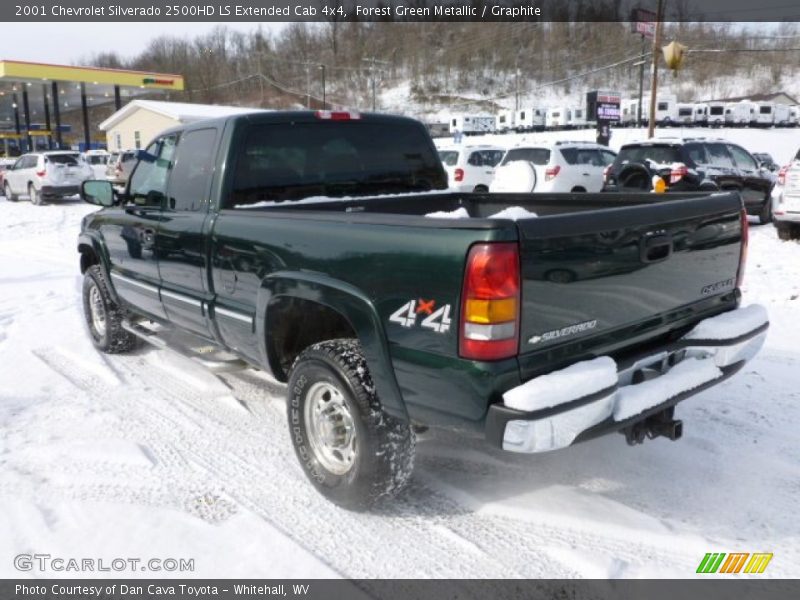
(130, 231)
(180, 238)
(755, 185)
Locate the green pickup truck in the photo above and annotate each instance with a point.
(324, 248)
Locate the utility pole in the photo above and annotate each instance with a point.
(324, 104)
(372, 69)
(651, 125)
(516, 93)
(641, 82)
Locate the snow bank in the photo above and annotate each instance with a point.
(576, 381)
(459, 213)
(514, 213)
(685, 376)
(730, 324)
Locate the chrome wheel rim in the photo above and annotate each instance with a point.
(97, 311)
(330, 427)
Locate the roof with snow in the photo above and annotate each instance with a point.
(183, 112)
(781, 97)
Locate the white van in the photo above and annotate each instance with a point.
(504, 121)
(530, 119)
(556, 117)
(716, 114)
(739, 114)
(471, 124)
(685, 113)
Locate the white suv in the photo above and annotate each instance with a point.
(559, 167)
(470, 168)
(46, 175)
(786, 201)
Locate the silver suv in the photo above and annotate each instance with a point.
(45, 176)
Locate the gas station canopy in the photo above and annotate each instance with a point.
(28, 91)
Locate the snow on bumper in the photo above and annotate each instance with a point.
(549, 412)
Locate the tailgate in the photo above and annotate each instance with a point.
(62, 174)
(608, 280)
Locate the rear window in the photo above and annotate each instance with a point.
(292, 161)
(657, 153)
(63, 159)
(96, 159)
(448, 157)
(537, 156)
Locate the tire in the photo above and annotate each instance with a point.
(765, 214)
(103, 316)
(7, 192)
(34, 196)
(373, 455)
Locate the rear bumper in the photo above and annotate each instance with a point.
(52, 191)
(596, 397)
(785, 208)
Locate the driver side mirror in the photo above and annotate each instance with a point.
(100, 193)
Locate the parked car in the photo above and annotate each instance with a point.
(693, 164)
(45, 176)
(383, 317)
(119, 167)
(98, 161)
(786, 201)
(560, 167)
(5, 165)
(470, 168)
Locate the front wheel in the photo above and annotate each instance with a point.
(8, 194)
(350, 448)
(103, 315)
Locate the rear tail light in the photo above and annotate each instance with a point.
(490, 303)
(42, 172)
(782, 175)
(678, 172)
(743, 253)
(337, 115)
(551, 172)
(458, 175)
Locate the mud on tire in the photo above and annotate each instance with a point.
(103, 316)
(383, 446)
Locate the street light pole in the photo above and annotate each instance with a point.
(651, 125)
(324, 104)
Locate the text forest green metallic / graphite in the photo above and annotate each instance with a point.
(229, 268)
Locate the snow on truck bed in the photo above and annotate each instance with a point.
(109, 456)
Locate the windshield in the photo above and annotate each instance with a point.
(537, 156)
(659, 154)
(292, 161)
(63, 159)
(448, 157)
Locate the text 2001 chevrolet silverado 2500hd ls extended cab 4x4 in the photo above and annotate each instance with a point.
(258, 233)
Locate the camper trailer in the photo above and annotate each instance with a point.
(504, 121)
(700, 114)
(472, 124)
(764, 114)
(739, 114)
(556, 117)
(781, 115)
(666, 110)
(716, 114)
(530, 119)
(576, 118)
(685, 114)
(794, 116)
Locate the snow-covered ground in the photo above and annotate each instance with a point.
(148, 455)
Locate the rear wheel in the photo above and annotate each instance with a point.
(8, 194)
(103, 315)
(765, 214)
(36, 197)
(352, 451)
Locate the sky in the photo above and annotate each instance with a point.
(68, 43)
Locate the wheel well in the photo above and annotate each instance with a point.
(294, 324)
(577, 189)
(88, 257)
(480, 188)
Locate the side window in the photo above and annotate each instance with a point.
(191, 175)
(607, 157)
(137, 139)
(662, 106)
(743, 159)
(148, 182)
(522, 115)
(718, 155)
(696, 153)
(475, 159)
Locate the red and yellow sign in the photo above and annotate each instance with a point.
(16, 70)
